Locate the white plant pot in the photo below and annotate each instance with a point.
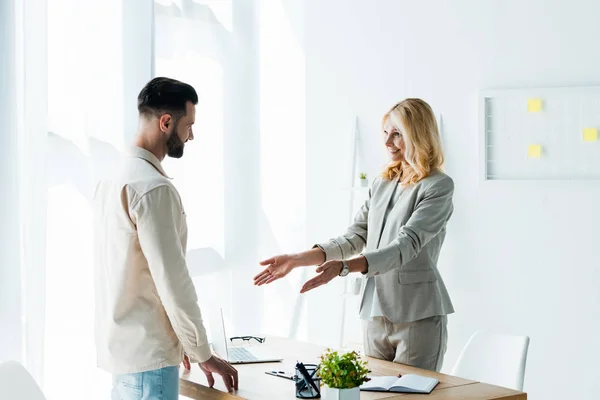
(341, 394)
(364, 182)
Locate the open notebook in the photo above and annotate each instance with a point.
(406, 384)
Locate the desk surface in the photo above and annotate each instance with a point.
(255, 384)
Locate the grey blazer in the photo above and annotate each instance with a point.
(402, 254)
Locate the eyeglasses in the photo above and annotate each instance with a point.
(247, 338)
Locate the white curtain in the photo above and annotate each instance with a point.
(193, 44)
(77, 64)
(79, 68)
(10, 277)
(246, 164)
(23, 100)
(99, 56)
(283, 158)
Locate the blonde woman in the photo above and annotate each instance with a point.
(394, 242)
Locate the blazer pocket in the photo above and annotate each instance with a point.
(410, 277)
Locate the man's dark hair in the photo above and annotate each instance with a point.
(166, 96)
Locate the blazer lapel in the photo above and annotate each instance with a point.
(382, 206)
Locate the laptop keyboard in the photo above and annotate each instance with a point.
(240, 354)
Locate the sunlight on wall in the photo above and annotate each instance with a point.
(282, 96)
(69, 300)
(198, 175)
(84, 72)
(86, 120)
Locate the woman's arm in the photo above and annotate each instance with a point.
(314, 256)
(427, 220)
(340, 248)
(331, 269)
(279, 266)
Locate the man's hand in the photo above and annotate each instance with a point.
(186, 363)
(326, 272)
(223, 368)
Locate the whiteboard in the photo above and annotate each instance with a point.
(518, 141)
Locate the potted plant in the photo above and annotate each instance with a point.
(363, 180)
(342, 375)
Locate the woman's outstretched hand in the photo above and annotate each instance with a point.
(326, 272)
(277, 267)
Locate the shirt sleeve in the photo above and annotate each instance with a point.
(353, 241)
(428, 219)
(159, 219)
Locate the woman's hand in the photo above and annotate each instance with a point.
(326, 272)
(277, 267)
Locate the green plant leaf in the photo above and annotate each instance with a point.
(342, 371)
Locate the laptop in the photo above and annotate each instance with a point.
(237, 355)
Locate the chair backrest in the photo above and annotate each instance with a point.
(17, 384)
(494, 358)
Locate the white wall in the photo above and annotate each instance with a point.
(519, 257)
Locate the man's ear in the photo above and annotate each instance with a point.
(165, 122)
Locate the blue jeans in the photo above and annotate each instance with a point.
(159, 384)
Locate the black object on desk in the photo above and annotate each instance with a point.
(308, 386)
(247, 338)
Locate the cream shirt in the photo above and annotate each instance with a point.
(147, 310)
(371, 307)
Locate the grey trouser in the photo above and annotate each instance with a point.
(420, 343)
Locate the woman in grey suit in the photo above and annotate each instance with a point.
(394, 242)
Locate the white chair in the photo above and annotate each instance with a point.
(17, 384)
(493, 358)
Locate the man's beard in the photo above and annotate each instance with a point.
(175, 146)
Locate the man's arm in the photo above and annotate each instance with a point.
(159, 217)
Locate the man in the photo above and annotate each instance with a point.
(147, 310)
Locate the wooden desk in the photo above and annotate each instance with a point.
(255, 384)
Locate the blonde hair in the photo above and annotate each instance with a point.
(423, 154)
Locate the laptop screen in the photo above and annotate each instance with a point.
(217, 334)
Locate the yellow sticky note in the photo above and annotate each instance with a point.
(534, 151)
(590, 134)
(534, 105)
